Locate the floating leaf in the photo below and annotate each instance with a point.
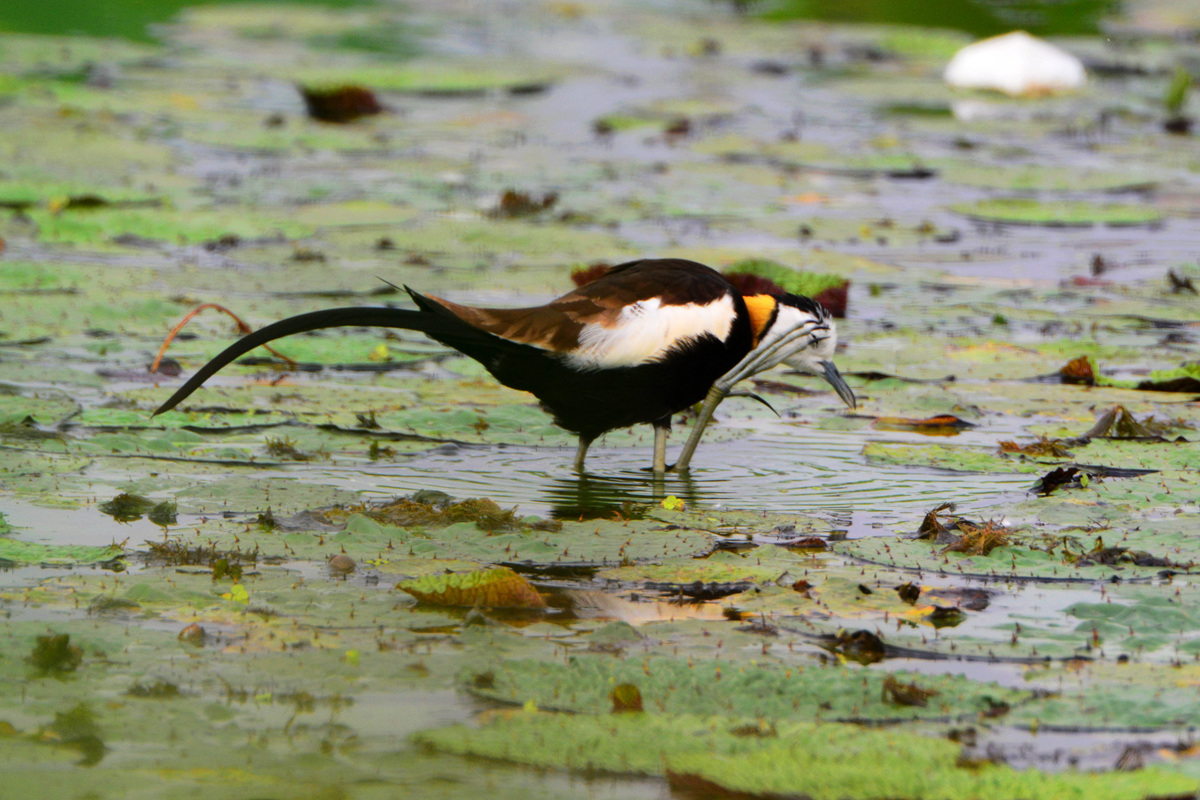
(498, 587)
(127, 507)
(1027, 211)
(17, 552)
(238, 594)
(672, 503)
(674, 686)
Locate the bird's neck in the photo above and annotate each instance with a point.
(762, 309)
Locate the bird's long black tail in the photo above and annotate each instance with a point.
(367, 317)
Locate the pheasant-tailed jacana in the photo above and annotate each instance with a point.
(645, 340)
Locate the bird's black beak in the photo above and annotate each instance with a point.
(839, 384)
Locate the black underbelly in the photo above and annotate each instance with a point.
(591, 402)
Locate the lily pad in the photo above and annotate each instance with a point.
(13, 551)
(1027, 211)
(921, 770)
(762, 690)
(498, 587)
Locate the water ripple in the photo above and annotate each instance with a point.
(821, 472)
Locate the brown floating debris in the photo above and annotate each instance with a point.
(341, 564)
(678, 127)
(1056, 479)
(964, 598)
(809, 543)
(979, 540)
(1180, 283)
(227, 241)
(522, 204)
(1054, 448)
(1185, 383)
(905, 694)
(960, 535)
(759, 627)
(861, 646)
(285, 448)
(243, 328)
(439, 509)
(940, 425)
(1118, 423)
(585, 275)
(340, 104)
(194, 635)
(1078, 371)
(1112, 556)
(909, 592)
(933, 525)
(699, 590)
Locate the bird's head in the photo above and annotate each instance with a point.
(797, 331)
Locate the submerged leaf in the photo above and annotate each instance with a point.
(127, 507)
(54, 653)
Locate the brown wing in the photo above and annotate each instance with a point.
(557, 325)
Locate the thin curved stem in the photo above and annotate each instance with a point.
(243, 328)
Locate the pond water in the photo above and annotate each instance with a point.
(267, 639)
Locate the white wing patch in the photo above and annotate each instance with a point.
(647, 330)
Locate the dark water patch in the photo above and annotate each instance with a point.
(121, 19)
(978, 17)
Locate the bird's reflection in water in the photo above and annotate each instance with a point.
(590, 496)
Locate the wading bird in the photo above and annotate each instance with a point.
(645, 340)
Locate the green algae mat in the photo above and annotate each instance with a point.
(358, 568)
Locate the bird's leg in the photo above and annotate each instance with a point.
(660, 448)
(716, 394)
(581, 453)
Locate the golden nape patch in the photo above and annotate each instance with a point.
(762, 308)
